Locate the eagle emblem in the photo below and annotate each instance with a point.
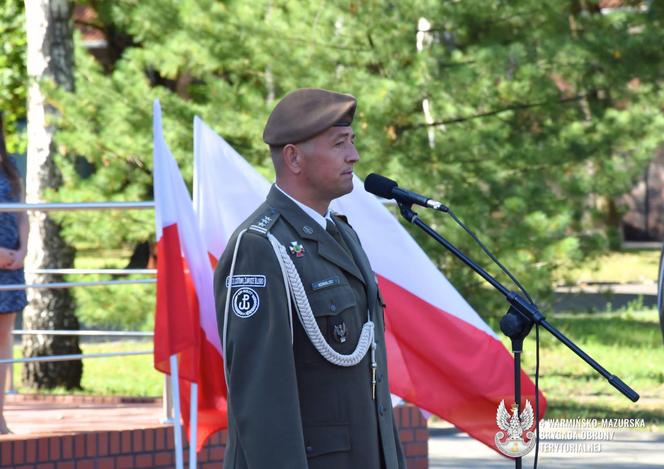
(515, 426)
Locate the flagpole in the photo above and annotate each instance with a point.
(177, 424)
(193, 425)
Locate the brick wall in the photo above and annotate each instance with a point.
(414, 436)
(153, 448)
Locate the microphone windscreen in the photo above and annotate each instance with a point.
(380, 185)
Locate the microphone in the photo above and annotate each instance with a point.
(389, 189)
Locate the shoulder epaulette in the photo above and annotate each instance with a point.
(264, 221)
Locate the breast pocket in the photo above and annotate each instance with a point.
(327, 440)
(337, 315)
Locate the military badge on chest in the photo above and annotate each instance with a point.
(338, 330)
(296, 248)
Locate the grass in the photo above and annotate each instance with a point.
(633, 266)
(116, 376)
(628, 344)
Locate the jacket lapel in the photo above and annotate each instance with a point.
(307, 228)
(362, 262)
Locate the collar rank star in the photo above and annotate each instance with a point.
(264, 221)
(296, 248)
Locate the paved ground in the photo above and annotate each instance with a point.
(448, 448)
(598, 297)
(51, 417)
(628, 450)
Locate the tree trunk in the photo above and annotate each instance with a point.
(49, 56)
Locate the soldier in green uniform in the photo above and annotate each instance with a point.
(299, 311)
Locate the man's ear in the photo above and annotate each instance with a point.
(293, 158)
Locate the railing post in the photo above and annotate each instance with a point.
(167, 402)
(10, 370)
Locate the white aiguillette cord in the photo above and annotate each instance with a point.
(308, 320)
(293, 285)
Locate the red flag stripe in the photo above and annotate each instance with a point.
(446, 366)
(173, 331)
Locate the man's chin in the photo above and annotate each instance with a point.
(347, 189)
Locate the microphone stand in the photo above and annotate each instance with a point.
(518, 320)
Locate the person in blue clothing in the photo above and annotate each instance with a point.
(13, 246)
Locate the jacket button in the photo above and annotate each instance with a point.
(333, 307)
(309, 449)
(381, 410)
(380, 377)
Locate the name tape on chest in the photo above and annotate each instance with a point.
(256, 281)
(325, 283)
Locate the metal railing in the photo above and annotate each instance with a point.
(22, 207)
(94, 283)
(83, 333)
(54, 206)
(93, 271)
(72, 356)
(78, 356)
(47, 207)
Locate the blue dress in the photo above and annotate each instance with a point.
(12, 300)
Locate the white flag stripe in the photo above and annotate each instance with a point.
(222, 178)
(395, 255)
(165, 212)
(175, 201)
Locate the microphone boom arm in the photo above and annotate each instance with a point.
(525, 308)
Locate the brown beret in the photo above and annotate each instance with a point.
(305, 113)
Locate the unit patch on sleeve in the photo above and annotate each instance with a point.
(245, 302)
(246, 281)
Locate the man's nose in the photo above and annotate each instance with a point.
(353, 156)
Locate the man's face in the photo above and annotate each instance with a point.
(328, 162)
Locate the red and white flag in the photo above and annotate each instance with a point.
(442, 356)
(226, 188)
(215, 165)
(175, 318)
(185, 300)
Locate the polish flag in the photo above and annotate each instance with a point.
(185, 299)
(442, 357)
(226, 189)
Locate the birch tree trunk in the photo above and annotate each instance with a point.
(49, 56)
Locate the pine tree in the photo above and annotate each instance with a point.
(528, 118)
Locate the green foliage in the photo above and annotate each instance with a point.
(128, 375)
(115, 307)
(627, 343)
(13, 73)
(634, 266)
(541, 112)
(118, 307)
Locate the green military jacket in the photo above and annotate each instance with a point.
(289, 407)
